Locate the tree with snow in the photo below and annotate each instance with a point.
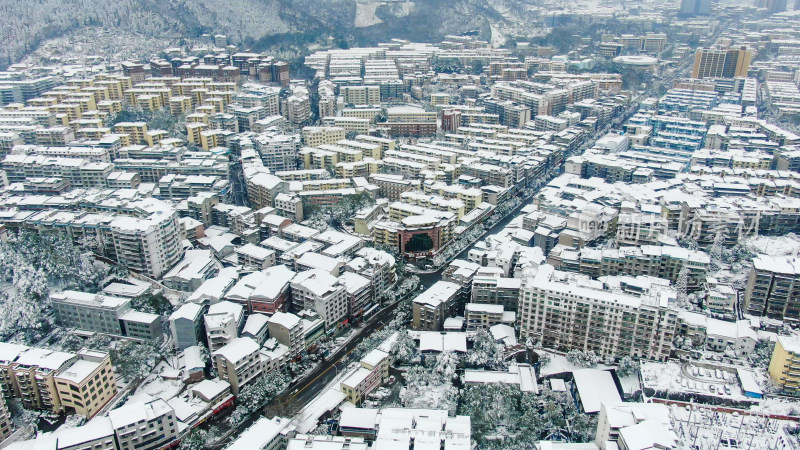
(155, 303)
(682, 284)
(485, 351)
(761, 354)
(582, 358)
(627, 366)
(495, 413)
(446, 363)
(405, 349)
(715, 253)
(257, 394)
(431, 387)
(134, 360)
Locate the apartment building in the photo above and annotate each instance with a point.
(45, 379)
(618, 317)
(267, 291)
(223, 322)
(287, 329)
(81, 173)
(392, 186)
(88, 384)
(265, 434)
(655, 261)
(482, 315)
(361, 95)
(358, 291)
(721, 63)
(375, 265)
(186, 325)
(316, 136)
(491, 287)
(350, 124)
(238, 362)
(6, 425)
(784, 366)
(255, 257)
(34, 372)
(321, 292)
(773, 288)
(717, 335)
(262, 187)
(151, 245)
(91, 312)
(144, 426)
(96, 435)
(435, 304)
(373, 370)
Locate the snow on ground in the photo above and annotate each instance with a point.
(786, 245)
(365, 14)
(630, 384)
(775, 405)
(660, 376)
(673, 377)
(498, 40)
(156, 386)
(559, 364)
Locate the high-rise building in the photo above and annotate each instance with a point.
(6, 426)
(620, 316)
(783, 366)
(150, 246)
(721, 63)
(772, 288)
(773, 6)
(695, 8)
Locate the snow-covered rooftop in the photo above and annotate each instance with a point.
(595, 387)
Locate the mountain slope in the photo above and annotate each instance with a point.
(260, 24)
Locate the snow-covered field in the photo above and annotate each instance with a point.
(786, 245)
(156, 386)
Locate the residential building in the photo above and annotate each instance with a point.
(186, 325)
(373, 372)
(252, 256)
(223, 322)
(491, 287)
(90, 312)
(620, 316)
(435, 304)
(6, 425)
(721, 63)
(320, 291)
(635, 425)
(717, 335)
(773, 288)
(264, 434)
(88, 384)
(144, 426)
(98, 434)
(287, 329)
(34, 372)
(238, 362)
(150, 246)
(480, 315)
(267, 291)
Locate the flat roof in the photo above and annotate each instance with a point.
(594, 388)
